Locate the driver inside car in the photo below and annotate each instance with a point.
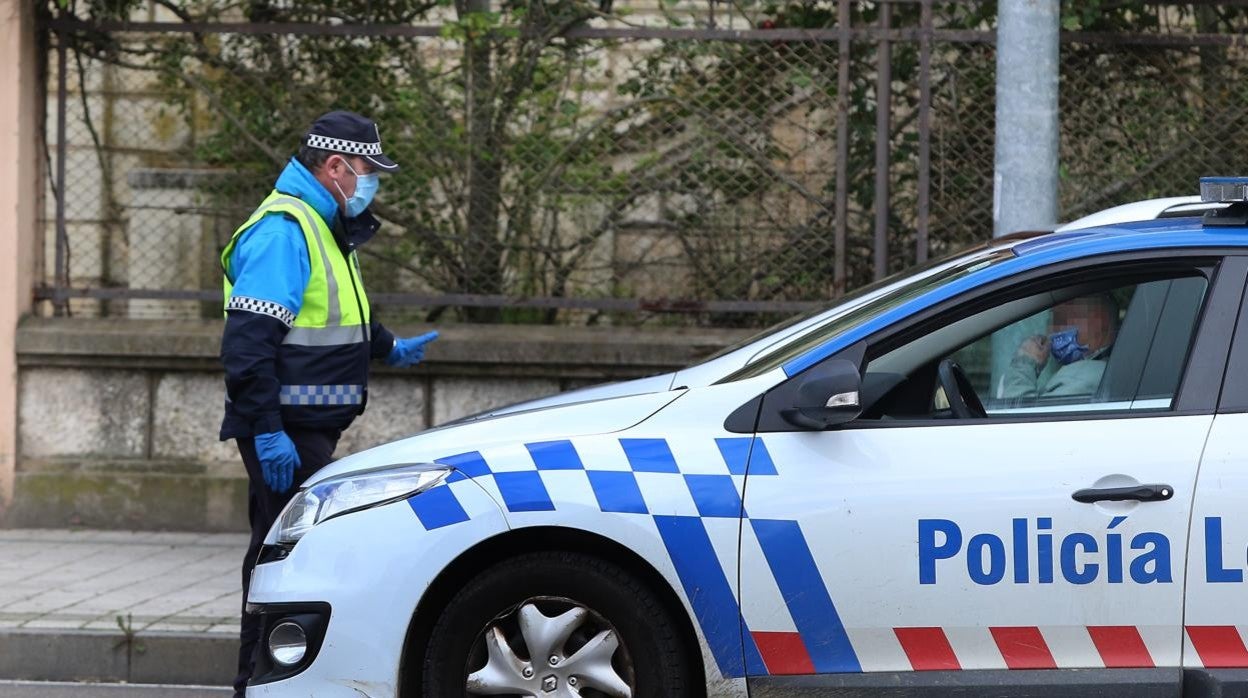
(1070, 360)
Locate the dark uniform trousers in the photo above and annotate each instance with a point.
(316, 448)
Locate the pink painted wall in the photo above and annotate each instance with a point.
(20, 96)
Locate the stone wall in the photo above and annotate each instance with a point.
(117, 421)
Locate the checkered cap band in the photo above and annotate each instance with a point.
(339, 145)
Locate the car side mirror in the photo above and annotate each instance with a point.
(827, 396)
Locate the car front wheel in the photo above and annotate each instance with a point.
(556, 624)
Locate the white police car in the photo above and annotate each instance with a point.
(931, 488)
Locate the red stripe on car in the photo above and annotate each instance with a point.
(1023, 648)
(1121, 646)
(1219, 646)
(783, 653)
(927, 648)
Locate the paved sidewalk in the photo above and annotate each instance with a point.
(86, 580)
(45, 689)
(139, 607)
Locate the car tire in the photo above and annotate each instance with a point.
(481, 634)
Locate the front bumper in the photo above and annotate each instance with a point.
(366, 572)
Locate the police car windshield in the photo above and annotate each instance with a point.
(842, 304)
(871, 301)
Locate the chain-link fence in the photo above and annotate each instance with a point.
(557, 168)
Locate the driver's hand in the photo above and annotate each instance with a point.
(1035, 349)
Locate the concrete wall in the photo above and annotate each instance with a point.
(19, 203)
(118, 420)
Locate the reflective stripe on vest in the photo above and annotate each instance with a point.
(323, 336)
(334, 314)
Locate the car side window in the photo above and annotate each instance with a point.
(1103, 347)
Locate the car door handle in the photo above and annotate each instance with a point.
(1138, 493)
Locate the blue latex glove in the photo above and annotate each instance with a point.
(409, 352)
(278, 459)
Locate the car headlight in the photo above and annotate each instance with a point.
(348, 493)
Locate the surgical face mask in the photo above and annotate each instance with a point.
(365, 189)
(1066, 348)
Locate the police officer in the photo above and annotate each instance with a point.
(298, 333)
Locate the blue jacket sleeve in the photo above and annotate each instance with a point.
(270, 263)
(270, 271)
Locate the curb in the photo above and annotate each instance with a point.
(71, 689)
(90, 655)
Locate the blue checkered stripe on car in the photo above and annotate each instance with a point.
(715, 495)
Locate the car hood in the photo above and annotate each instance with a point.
(545, 424)
(652, 384)
(696, 376)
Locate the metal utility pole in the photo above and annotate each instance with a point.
(1024, 193)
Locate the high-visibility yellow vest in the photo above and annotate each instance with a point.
(323, 361)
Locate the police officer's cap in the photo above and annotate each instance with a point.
(349, 133)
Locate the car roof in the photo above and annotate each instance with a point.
(1160, 233)
(1166, 207)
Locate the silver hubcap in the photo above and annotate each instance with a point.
(571, 653)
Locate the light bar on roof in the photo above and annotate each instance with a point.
(1223, 189)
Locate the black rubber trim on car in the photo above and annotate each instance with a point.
(1215, 683)
(313, 617)
(1025, 419)
(1201, 387)
(998, 683)
(274, 553)
(744, 419)
(1234, 395)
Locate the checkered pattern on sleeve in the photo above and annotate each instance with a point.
(339, 145)
(262, 307)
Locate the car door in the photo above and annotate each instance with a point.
(1216, 610)
(1047, 532)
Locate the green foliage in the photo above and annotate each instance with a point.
(531, 160)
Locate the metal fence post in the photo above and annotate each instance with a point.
(842, 147)
(883, 124)
(61, 273)
(925, 132)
